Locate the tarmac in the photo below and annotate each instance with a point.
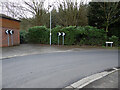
(110, 81)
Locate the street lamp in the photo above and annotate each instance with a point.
(50, 25)
(50, 21)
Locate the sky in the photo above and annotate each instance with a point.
(46, 3)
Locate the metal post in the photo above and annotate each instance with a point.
(63, 40)
(58, 40)
(12, 39)
(8, 40)
(50, 27)
(111, 44)
(106, 44)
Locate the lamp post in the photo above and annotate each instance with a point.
(50, 22)
(50, 28)
(50, 25)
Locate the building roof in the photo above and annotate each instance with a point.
(7, 17)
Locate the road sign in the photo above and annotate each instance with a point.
(58, 33)
(63, 34)
(7, 31)
(11, 32)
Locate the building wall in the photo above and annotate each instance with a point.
(10, 25)
(0, 32)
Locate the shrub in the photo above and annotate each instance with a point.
(69, 37)
(23, 36)
(89, 35)
(54, 34)
(38, 34)
(114, 39)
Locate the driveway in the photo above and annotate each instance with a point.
(55, 70)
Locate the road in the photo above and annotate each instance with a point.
(55, 70)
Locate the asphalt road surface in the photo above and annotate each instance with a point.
(55, 70)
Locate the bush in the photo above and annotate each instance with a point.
(54, 34)
(38, 34)
(114, 39)
(23, 36)
(74, 35)
(70, 36)
(91, 36)
(80, 35)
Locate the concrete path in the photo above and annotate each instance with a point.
(30, 49)
(55, 70)
(110, 81)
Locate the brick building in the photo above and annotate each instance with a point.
(9, 24)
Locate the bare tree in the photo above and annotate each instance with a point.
(111, 13)
(72, 13)
(14, 9)
(36, 7)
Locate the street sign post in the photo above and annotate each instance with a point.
(11, 32)
(7, 32)
(58, 36)
(63, 34)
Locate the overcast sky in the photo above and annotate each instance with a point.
(46, 3)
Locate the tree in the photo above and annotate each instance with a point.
(107, 13)
(14, 9)
(72, 13)
(67, 13)
(37, 10)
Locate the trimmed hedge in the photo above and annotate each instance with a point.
(114, 39)
(38, 34)
(87, 35)
(80, 35)
(23, 36)
(69, 37)
(91, 36)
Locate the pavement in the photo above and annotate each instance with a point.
(109, 81)
(54, 69)
(30, 49)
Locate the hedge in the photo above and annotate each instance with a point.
(86, 35)
(23, 36)
(91, 36)
(80, 35)
(114, 39)
(38, 34)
